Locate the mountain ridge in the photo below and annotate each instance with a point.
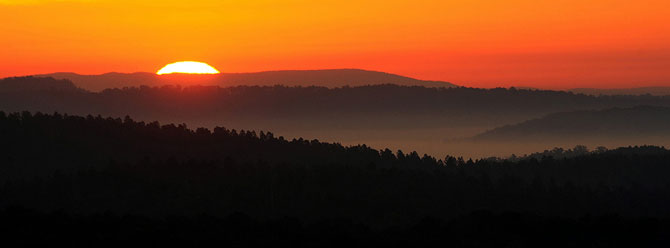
(330, 78)
(651, 90)
(30, 83)
(617, 122)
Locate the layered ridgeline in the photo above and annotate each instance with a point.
(278, 107)
(325, 78)
(656, 91)
(398, 117)
(636, 124)
(87, 165)
(36, 84)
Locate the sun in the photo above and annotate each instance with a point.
(191, 67)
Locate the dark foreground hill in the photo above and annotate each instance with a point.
(88, 165)
(26, 228)
(324, 78)
(640, 123)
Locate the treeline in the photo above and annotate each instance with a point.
(378, 106)
(32, 84)
(639, 122)
(88, 165)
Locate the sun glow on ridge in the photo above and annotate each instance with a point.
(191, 67)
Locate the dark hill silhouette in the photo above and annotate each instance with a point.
(378, 106)
(483, 229)
(655, 91)
(29, 84)
(325, 78)
(107, 80)
(398, 117)
(93, 165)
(640, 122)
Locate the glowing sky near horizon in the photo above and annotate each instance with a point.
(480, 43)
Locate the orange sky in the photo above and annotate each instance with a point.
(482, 43)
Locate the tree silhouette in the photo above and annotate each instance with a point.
(86, 166)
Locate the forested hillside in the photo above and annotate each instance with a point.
(94, 164)
(429, 120)
(638, 123)
(281, 107)
(32, 84)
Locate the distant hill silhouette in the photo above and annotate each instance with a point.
(655, 91)
(325, 78)
(27, 84)
(398, 117)
(269, 107)
(638, 122)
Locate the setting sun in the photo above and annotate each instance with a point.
(192, 67)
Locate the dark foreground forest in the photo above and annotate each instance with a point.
(92, 179)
